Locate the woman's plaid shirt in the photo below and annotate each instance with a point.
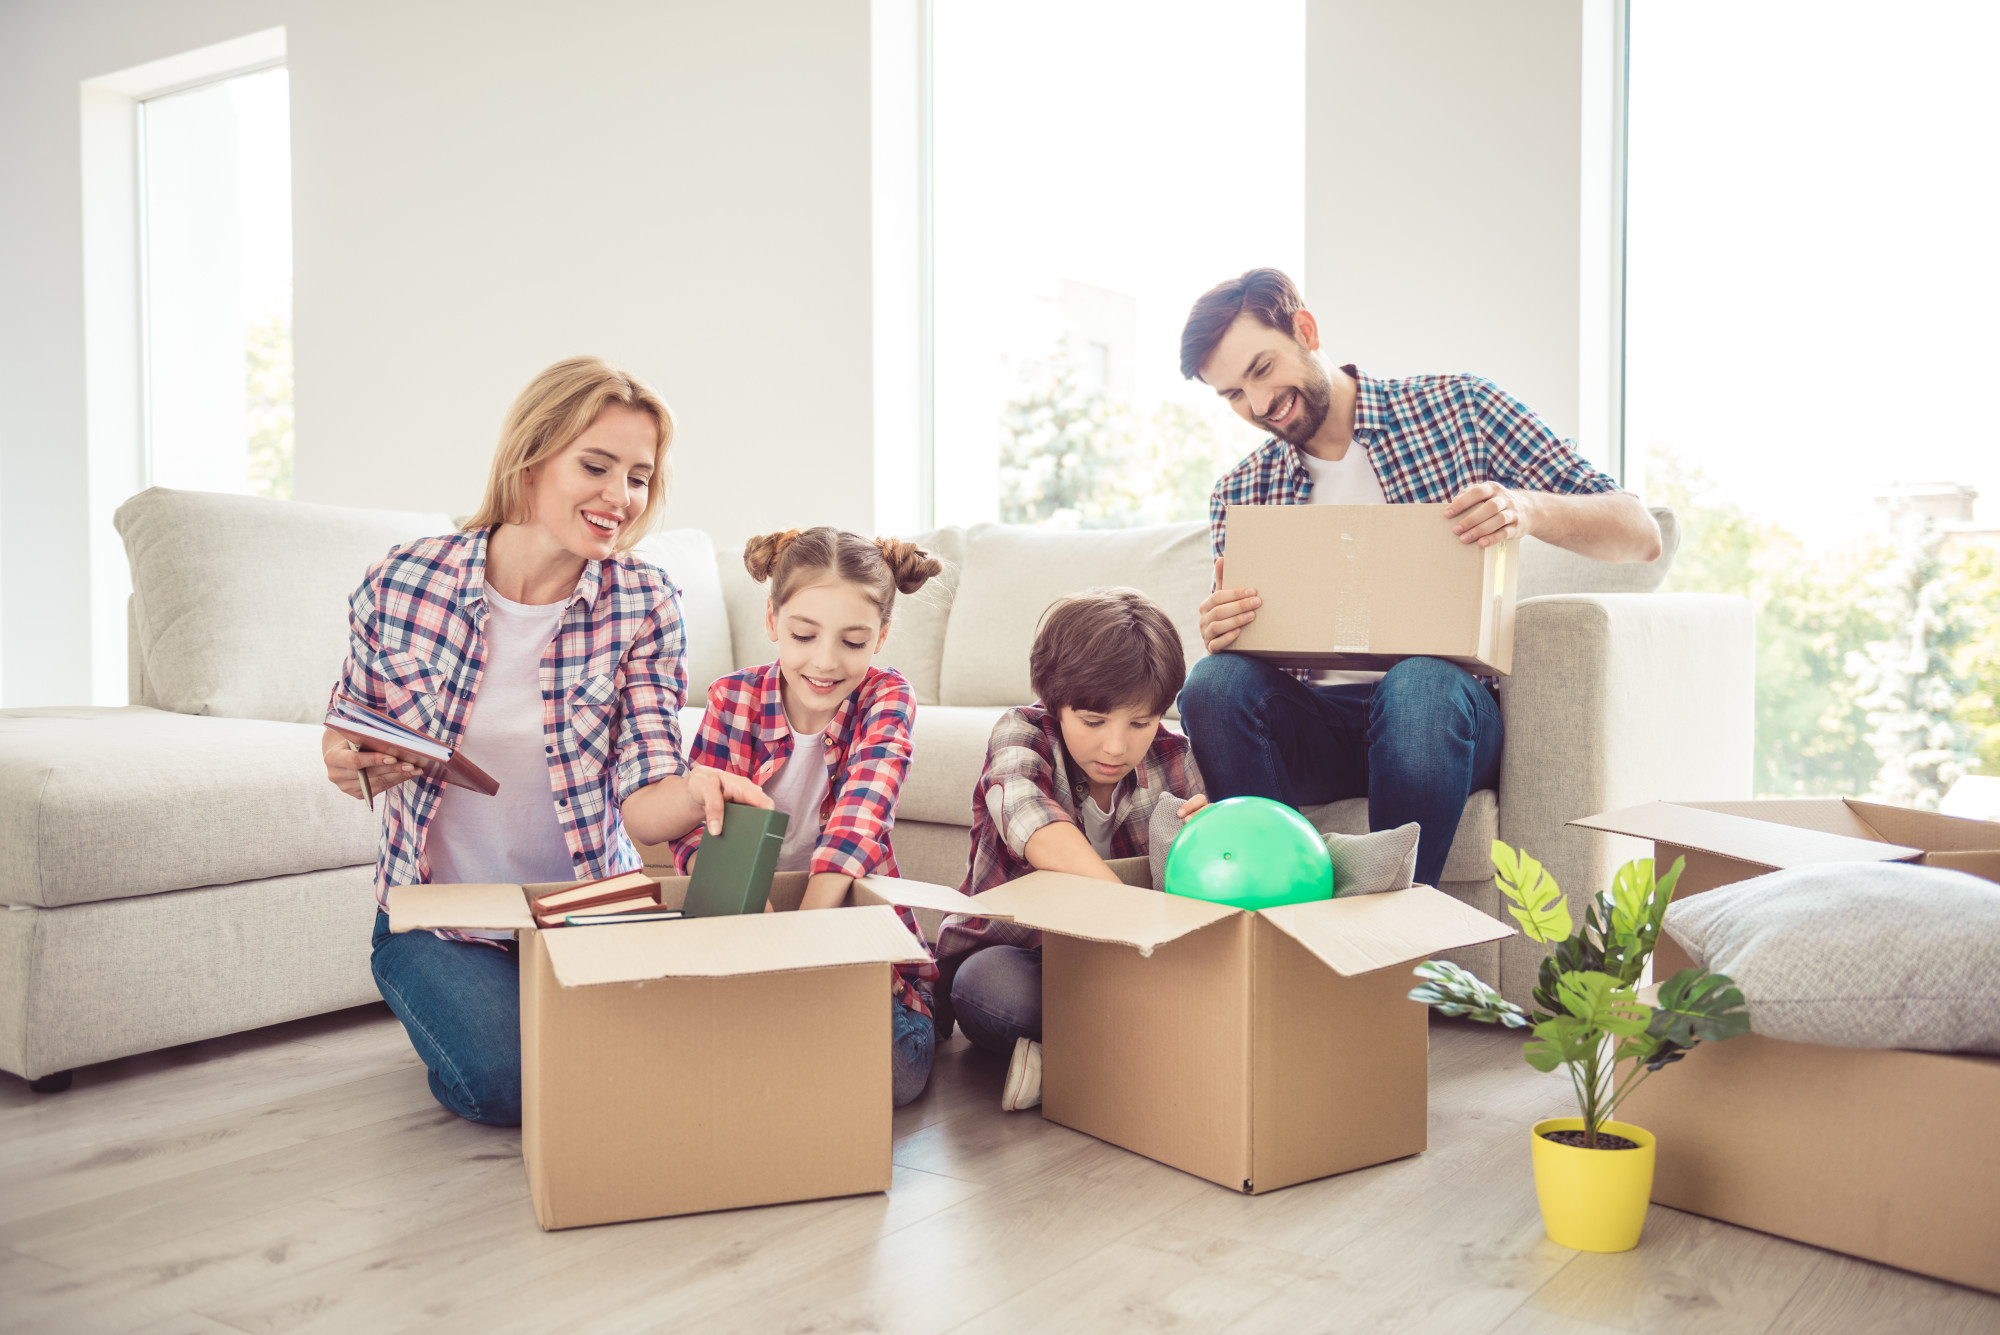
(611, 681)
(1027, 784)
(1429, 437)
(867, 746)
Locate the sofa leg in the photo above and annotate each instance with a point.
(52, 1084)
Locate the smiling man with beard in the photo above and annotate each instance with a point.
(1421, 738)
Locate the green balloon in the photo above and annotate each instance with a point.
(1249, 853)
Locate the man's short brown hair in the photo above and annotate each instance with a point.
(1106, 649)
(1264, 294)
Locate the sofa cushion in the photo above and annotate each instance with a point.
(949, 746)
(1856, 954)
(687, 555)
(1471, 856)
(102, 804)
(1547, 569)
(1012, 575)
(240, 603)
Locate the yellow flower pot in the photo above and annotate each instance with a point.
(1593, 1200)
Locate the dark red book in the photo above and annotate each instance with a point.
(378, 732)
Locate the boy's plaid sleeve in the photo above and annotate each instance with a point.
(1018, 785)
(855, 839)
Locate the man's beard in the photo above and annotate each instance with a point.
(1315, 402)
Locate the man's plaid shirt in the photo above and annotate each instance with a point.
(1028, 783)
(1429, 437)
(867, 747)
(611, 681)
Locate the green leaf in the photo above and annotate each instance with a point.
(1563, 1039)
(1603, 1003)
(1537, 901)
(1695, 1006)
(1630, 890)
(1451, 990)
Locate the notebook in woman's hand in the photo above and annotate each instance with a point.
(378, 732)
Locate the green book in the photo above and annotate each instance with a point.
(733, 870)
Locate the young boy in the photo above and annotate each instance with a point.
(1069, 782)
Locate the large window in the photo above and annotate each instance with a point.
(1810, 352)
(216, 237)
(1097, 166)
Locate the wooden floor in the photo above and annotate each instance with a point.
(301, 1179)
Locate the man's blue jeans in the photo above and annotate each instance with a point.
(1416, 744)
(461, 1005)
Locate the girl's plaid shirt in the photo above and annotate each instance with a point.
(867, 747)
(611, 681)
(1429, 437)
(1027, 784)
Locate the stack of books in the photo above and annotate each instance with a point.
(629, 896)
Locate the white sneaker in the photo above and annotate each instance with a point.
(1024, 1077)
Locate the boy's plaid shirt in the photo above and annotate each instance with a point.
(1429, 437)
(1027, 784)
(611, 681)
(867, 747)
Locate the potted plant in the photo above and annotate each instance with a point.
(1593, 1174)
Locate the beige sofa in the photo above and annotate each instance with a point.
(180, 869)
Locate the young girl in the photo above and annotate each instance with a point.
(825, 735)
(536, 642)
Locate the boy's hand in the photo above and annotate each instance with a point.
(1225, 613)
(1192, 805)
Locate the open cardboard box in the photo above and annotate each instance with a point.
(1255, 1049)
(1362, 587)
(701, 1064)
(1885, 1155)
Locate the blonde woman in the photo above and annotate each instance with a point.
(535, 643)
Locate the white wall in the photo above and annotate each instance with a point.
(1451, 224)
(479, 189)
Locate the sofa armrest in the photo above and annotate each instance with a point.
(1617, 699)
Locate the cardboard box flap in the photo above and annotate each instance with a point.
(1094, 910)
(1742, 837)
(1931, 831)
(496, 908)
(730, 946)
(1368, 932)
(919, 895)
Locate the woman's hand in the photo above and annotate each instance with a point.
(344, 767)
(710, 788)
(1192, 805)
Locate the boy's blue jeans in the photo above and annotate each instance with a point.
(461, 1005)
(997, 993)
(1416, 744)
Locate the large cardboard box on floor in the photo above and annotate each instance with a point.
(702, 1064)
(1362, 587)
(1880, 1154)
(1255, 1049)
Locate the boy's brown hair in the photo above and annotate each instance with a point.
(1106, 649)
(1266, 295)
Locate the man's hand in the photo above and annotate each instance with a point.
(710, 788)
(1225, 613)
(1487, 512)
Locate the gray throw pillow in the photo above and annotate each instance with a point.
(1856, 954)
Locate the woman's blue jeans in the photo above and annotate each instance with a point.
(1416, 744)
(461, 1005)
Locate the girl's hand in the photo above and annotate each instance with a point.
(1192, 805)
(711, 787)
(345, 766)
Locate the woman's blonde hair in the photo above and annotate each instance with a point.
(558, 406)
(880, 567)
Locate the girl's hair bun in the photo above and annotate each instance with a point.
(761, 554)
(910, 564)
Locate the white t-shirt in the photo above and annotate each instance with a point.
(512, 837)
(799, 790)
(1097, 825)
(1348, 480)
